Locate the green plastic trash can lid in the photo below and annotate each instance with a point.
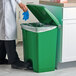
(43, 14)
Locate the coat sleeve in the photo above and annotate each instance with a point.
(18, 1)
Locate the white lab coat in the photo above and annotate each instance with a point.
(8, 28)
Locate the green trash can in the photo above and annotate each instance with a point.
(40, 39)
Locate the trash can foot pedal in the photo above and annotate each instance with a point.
(29, 65)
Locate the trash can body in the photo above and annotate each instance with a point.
(40, 48)
(40, 41)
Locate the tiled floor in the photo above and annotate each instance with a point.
(5, 70)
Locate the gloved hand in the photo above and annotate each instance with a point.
(26, 15)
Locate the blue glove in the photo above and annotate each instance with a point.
(25, 15)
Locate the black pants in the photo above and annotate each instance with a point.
(9, 48)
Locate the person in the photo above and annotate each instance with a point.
(8, 33)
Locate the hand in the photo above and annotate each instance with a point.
(23, 7)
